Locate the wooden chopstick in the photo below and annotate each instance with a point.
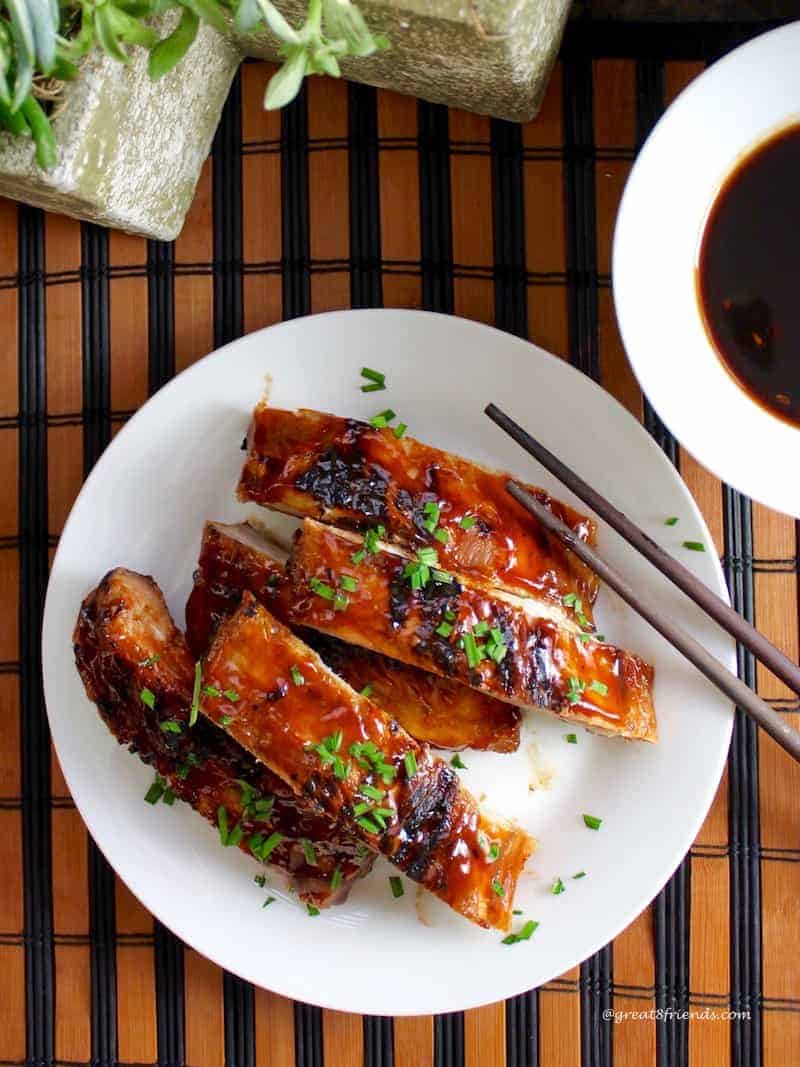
(766, 717)
(679, 575)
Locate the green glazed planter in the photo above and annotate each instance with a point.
(130, 150)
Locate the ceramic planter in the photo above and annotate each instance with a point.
(130, 150)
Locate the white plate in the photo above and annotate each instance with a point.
(176, 463)
(720, 117)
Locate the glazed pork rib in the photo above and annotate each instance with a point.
(350, 474)
(337, 748)
(437, 710)
(130, 655)
(496, 642)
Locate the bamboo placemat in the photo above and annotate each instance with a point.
(360, 198)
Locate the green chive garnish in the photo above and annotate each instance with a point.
(481, 628)
(523, 935)
(340, 602)
(557, 888)
(441, 535)
(170, 726)
(671, 521)
(592, 822)
(371, 792)
(225, 720)
(575, 689)
(336, 879)
(210, 690)
(458, 763)
(147, 697)
(260, 880)
(169, 797)
(348, 583)
(694, 546)
(367, 690)
(230, 694)
(444, 629)
(498, 888)
(580, 874)
(321, 589)
(312, 911)
(571, 739)
(296, 674)
(397, 886)
(467, 522)
(383, 418)
(357, 557)
(471, 651)
(373, 375)
(150, 661)
(268, 901)
(599, 687)
(194, 711)
(410, 761)
(156, 790)
(400, 429)
(309, 852)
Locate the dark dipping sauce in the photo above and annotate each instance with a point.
(748, 274)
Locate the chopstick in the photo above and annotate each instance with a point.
(679, 575)
(728, 683)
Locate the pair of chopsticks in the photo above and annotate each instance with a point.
(728, 619)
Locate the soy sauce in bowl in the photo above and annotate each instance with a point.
(748, 274)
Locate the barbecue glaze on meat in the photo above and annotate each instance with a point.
(547, 664)
(347, 473)
(338, 749)
(433, 709)
(125, 642)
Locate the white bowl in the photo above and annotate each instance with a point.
(725, 113)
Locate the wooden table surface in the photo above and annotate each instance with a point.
(361, 198)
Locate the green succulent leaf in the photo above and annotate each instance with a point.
(172, 49)
(322, 61)
(284, 85)
(44, 30)
(246, 16)
(343, 19)
(127, 28)
(277, 23)
(209, 11)
(106, 36)
(46, 152)
(14, 121)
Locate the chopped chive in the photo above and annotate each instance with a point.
(371, 792)
(580, 874)
(517, 911)
(444, 629)
(467, 522)
(397, 886)
(494, 852)
(575, 689)
(321, 589)
(367, 690)
(481, 628)
(376, 387)
(357, 557)
(225, 720)
(348, 583)
(169, 797)
(268, 901)
(340, 602)
(372, 537)
(497, 888)
(386, 813)
(428, 556)
(431, 510)
(571, 739)
(309, 852)
(694, 546)
(671, 521)
(382, 419)
(441, 576)
(592, 822)
(230, 694)
(156, 790)
(497, 651)
(373, 375)
(410, 761)
(557, 887)
(150, 661)
(450, 616)
(260, 880)
(523, 935)
(336, 879)
(599, 687)
(570, 600)
(210, 690)
(222, 824)
(194, 711)
(458, 763)
(471, 651)
(441, 535)
(296, 674)
(170, 726)
(367, 824)
(400, 429)
(312, 911)
(361, 808)
(147, 697)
